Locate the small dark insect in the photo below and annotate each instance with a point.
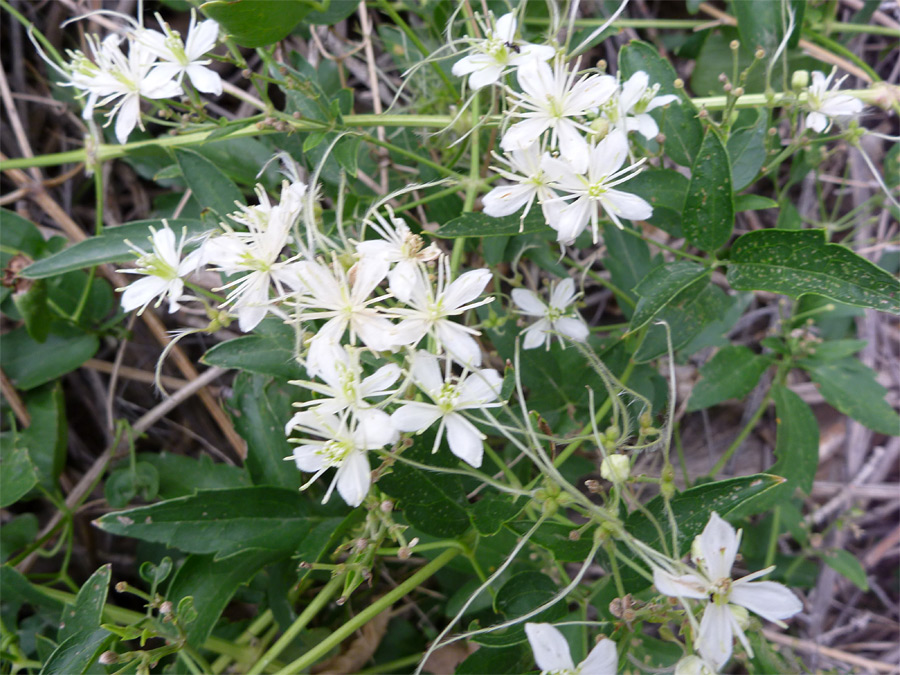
(512, 45)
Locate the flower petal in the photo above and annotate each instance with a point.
(718, 546)
(602, 660)
(714, 641)
(680, 586)
(529, 303)
(524, 134)
(573, 328)
(415, 416)
(551, 651)
(464, 439)
(769, 599)
(354, 478)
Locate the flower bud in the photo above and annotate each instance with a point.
(800, 80)
(600, 127)
(166, 608)
(741, 615)
(616, 468)
(108, 658)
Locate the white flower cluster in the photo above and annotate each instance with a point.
(568, 146)
(142, 63)
(826, 103)
(390, 296)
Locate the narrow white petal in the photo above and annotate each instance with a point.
(563, 294)
(573, 218)
(307, 458)
(380, 380)
(458, 343)
(603, 659)
(529, 303)
(715, 639)
(816, 121)
(536, 79)
(633, 89)
(645, 125)
(506, 27)
(464, 439)
(482, 386)
(205, 79)
(142, 292)
(572, 145)
(680, 586)
(769, 599)
(485, 76)
(506, 200)
(426, 372)
(354, 478)
(718, 546)
(465, 289)
(524, 134)
(535, 334)
(573, 328)
(415, 416)
(626, 205)
(551, 651)
(127, 119)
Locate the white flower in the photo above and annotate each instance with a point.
(529, 182)
(551, 99)
(164, 268)
(694, 665)
(401, 247)
(552, 655)
(344, 386)
(552, 318)
(342, 297)
(346, 440)
(258, 252)
(497, 52)
(825, 104)
(116, 76)
(470, 391)
(714, 553)
(616, 468)
(593, 190)
(629, 109)
(182, 58)
(429, 311)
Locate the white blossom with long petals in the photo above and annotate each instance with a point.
(593, 190)
(529, 182)
(714, 552)
(430, 308)
(552, 99)
(552, 655)
(399, 246)
(628, 109)
(496, 53)
(475, 390)
(553, 318)
(342, 445)
(165, 269)
(183, 57)
(826, 103)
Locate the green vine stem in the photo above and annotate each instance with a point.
(369, 613)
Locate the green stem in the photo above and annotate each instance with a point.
(369, 613)
(741, 436)
(773, 537)
(322, 598)
(459, 245)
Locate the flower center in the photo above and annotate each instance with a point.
(720, 591)
(596, 190)
(334, 452)
(447, 397)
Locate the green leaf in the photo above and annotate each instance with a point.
(77, 654)
(628, 261)
(84, 616)
(498, 661)
(731, 373)
(181, 476)
(555, 537)
(847, 565)
(16, 534)
(850, 386)
(20, 235)
(686, 319)
(493, 510)
(225, 522)
(709, 203)
(796, 440)
(211, 188)
(29, 364)
(483, 225)
(832, 350)
(212, 583)
(335, 12)
(520, 594)
(18, 474)
(256, 23)
(747, 152)
(677, 282)
(16, 590)
(32, 305)
(664, 189)
(432, 502)
(682, 129)
(257, 354)
(126, 483)
(797, 262)
(260, 408)
(753, 203)
(46, 437)
(692, 509)
(759, 24)
(108, 247)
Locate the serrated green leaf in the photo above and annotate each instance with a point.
(224, 522)
(212, 583)
(848, 566)
(108, 247)
(257, 354)
(483, 225)
(731, 373)
(29, 364)
(796, 440)
(680, 126)
(432, 502)
(210, 187)
(692, 509)
(257, 23)
(17, 473)
(797, 262)
(850, 386)
(77, 654)
(677, 282)
(181, 476)
(708, 211)
(260, 408)
(83, 616)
